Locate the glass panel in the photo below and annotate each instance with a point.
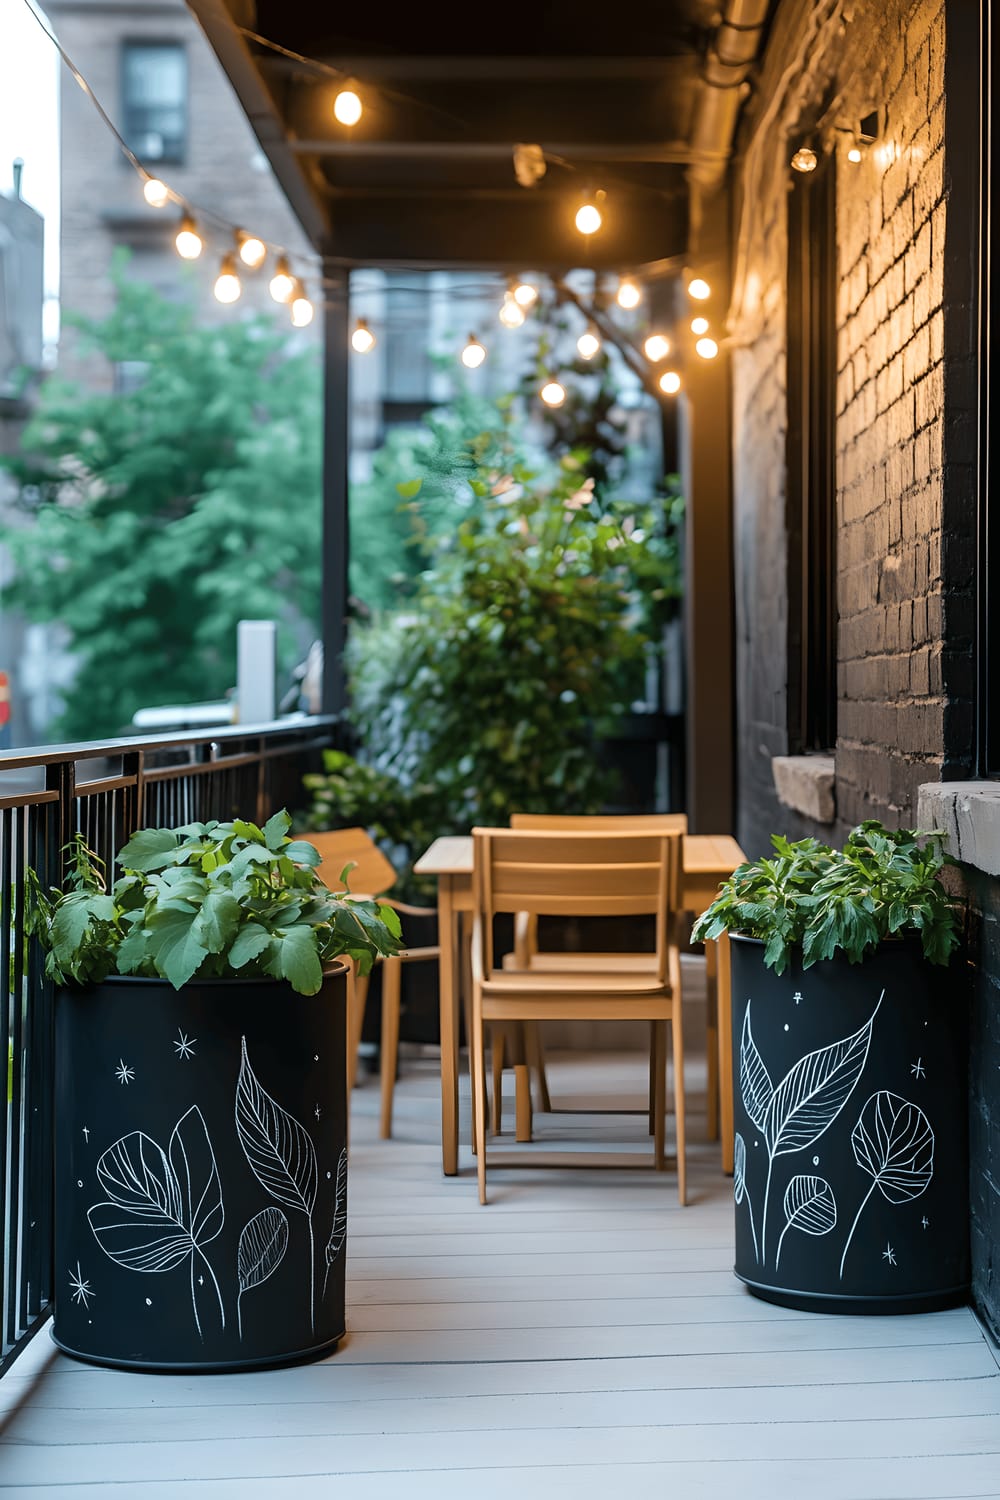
(155, 100)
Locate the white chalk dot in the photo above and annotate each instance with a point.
(815, 1161)
(786, 1025)
(149, 1301)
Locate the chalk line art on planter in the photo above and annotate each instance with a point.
(740, 1184)
(338, 1233)
(81, 1288)
(124, 1073)
(184, 1046)
(162, 1207)
(894, 1143)
(889, 1254)
(794, 1114)
(262, 1247)
(281, 1155)
(809, 1206)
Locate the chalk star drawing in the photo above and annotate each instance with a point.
(925, 1221)
(86, 1134)
(317, 1111)
(889, 1254)
(201, 1281)
(797, 996)
(185, 1046)
(81, 1289)
(123, 1072)
(917, 1069)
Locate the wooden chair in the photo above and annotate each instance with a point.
(580, 874)
(372, 876)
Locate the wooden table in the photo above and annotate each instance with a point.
(708, 860)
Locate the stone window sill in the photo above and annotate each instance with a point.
(805, 783)
(969, 813)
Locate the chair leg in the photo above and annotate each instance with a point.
(498, 1040)
(677, 1035)
(392, 972)
(659, 1051)
(522, 1094)
(536, 1060)
(652, 1077)
(477, 1058)
(357, 995)
(712, 1040)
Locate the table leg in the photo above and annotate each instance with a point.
(725, 1004)
(449, 1027)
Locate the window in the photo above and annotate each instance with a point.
(811, 513)
(407, 338)
(154, 98)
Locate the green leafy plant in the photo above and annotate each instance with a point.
(206, 901)
(821, 901)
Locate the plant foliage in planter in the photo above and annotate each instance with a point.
(822, 901)
(206, 901)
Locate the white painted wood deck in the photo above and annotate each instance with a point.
(580, 1337)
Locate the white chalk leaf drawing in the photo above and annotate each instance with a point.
(813, 1092)
(280, 1152)
(755, 1081)
(161, 1209)
(809, 1206)
(740, 1189)
(893, 1143)
(263, 1243)
(338, 1233)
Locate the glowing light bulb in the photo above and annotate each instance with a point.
(511, 313)
(670, 382)
(552, 393)
(227, 286)
(589, 218)
(347, 106)
(707, 348)
(188, 241)
(252, 251)
(282, 282)
(525, 294)
(804, 160)
(302, 308)
(473, 354)
(699, 289)
(588, 344)
(699, 325)
(629, 293)
(155, 192)
(656, 347)
(854, 154)
(362, 339)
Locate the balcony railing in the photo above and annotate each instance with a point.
(104, 791)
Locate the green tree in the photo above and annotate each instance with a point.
(158, 518)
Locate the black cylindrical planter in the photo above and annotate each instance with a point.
(201, 1173)
(851, 1103)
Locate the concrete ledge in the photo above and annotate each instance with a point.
(969, 813)
(805, 783)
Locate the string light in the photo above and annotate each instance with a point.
(699, 325)
(227, 285)
(854, 154)
(511, 313)
(656, 347)
(155, 192)
(805, 160)
(525, 294)
(707, 348)
(302, 308)
(188, 241)
(282, 283)
(253, 251)
(588, 216)
(552, 393)
(588, 344)
(699, 289)
(629, 294)
(473, 354)
(670, 382)
(362, 339)
(347, 106)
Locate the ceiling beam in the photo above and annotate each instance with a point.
(670, 153)
(379, 68)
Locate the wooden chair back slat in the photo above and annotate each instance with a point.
(372, 874)
(602, 822)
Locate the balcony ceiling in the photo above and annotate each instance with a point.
(427, 177)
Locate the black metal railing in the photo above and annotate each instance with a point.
(104, 791)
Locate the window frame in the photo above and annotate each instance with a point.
(170, 158)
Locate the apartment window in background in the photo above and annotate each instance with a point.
(155, 100)
(811, 512)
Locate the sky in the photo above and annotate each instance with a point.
(29, 129)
